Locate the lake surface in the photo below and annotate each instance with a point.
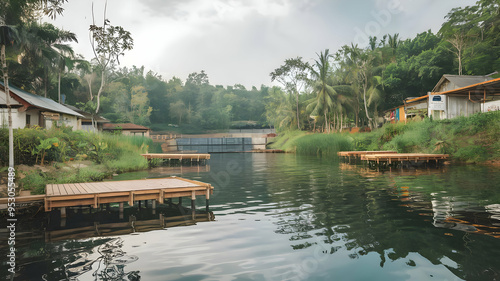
(284, 217)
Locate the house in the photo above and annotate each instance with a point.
(412, 108)
(453, 96)
(30, 110)
(86, 120)
(127, 129)
(462, 95)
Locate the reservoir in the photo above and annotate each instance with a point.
(281, 217)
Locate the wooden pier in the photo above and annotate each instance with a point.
(391, 158)
(130, 191)
(403, 158)
(179, 156)
(356, 155)
(360, 153)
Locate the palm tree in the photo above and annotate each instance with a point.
(43, 48)
(321, 73)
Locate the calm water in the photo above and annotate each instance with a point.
(285, 217)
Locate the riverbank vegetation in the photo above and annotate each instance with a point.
(349, 87)
(60, 155)
(471, 139)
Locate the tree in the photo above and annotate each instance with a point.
(459, 30)
(139, 106)
(178, 110)
(12, 14)
(321, 72)
(293, 76)
(108, 44)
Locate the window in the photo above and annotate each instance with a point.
(28, 120)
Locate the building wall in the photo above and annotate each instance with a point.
(459, 106)
(18, 118)
(490, 106)
(134, 133)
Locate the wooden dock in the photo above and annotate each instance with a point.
(360, 153)
(355, 156)
(397, 158)
(130, 191)
(179, 156)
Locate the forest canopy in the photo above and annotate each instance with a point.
(351, 86)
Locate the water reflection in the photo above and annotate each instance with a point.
(358, 211)
(110, 265)
(288, 217)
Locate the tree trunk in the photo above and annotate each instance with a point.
(325, 130)
(366, 107)
(9, 109)
(341, 115)
(59, 86)
(297, 100)
(100, 92)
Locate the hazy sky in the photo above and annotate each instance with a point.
(242, 41)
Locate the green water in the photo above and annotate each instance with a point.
(289, 217)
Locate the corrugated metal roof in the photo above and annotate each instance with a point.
(41, 102)
(461, 80)
(3, 97)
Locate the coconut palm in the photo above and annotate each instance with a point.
(43, 48)
(321, 74)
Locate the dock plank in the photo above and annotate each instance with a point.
(77, 194)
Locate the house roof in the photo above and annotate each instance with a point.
(461, 80)
(86, 115)
(124, 126)
(41, 102)
(478, 91)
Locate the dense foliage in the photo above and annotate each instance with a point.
(63, 149)
(466, 139)
(356, 84)
(349, 87)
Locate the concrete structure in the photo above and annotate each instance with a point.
(30, 110)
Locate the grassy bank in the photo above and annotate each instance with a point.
(60, 155)
(313, 144)
(467, 139)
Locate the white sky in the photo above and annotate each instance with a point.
(242, 41)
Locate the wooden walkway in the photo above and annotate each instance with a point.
(400, 157)
(179, 156)
(360, 153)
(97, 193)
(388, 158)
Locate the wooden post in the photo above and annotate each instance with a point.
(153, 205)
(180, 201)
(63, 212)
(208, 199)
(193, 199)
(121, 210)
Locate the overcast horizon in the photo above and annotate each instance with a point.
(241, 42)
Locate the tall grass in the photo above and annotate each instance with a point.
(467, 139)
(313, 144)
(323, 144)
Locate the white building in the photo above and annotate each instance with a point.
(30, 110)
